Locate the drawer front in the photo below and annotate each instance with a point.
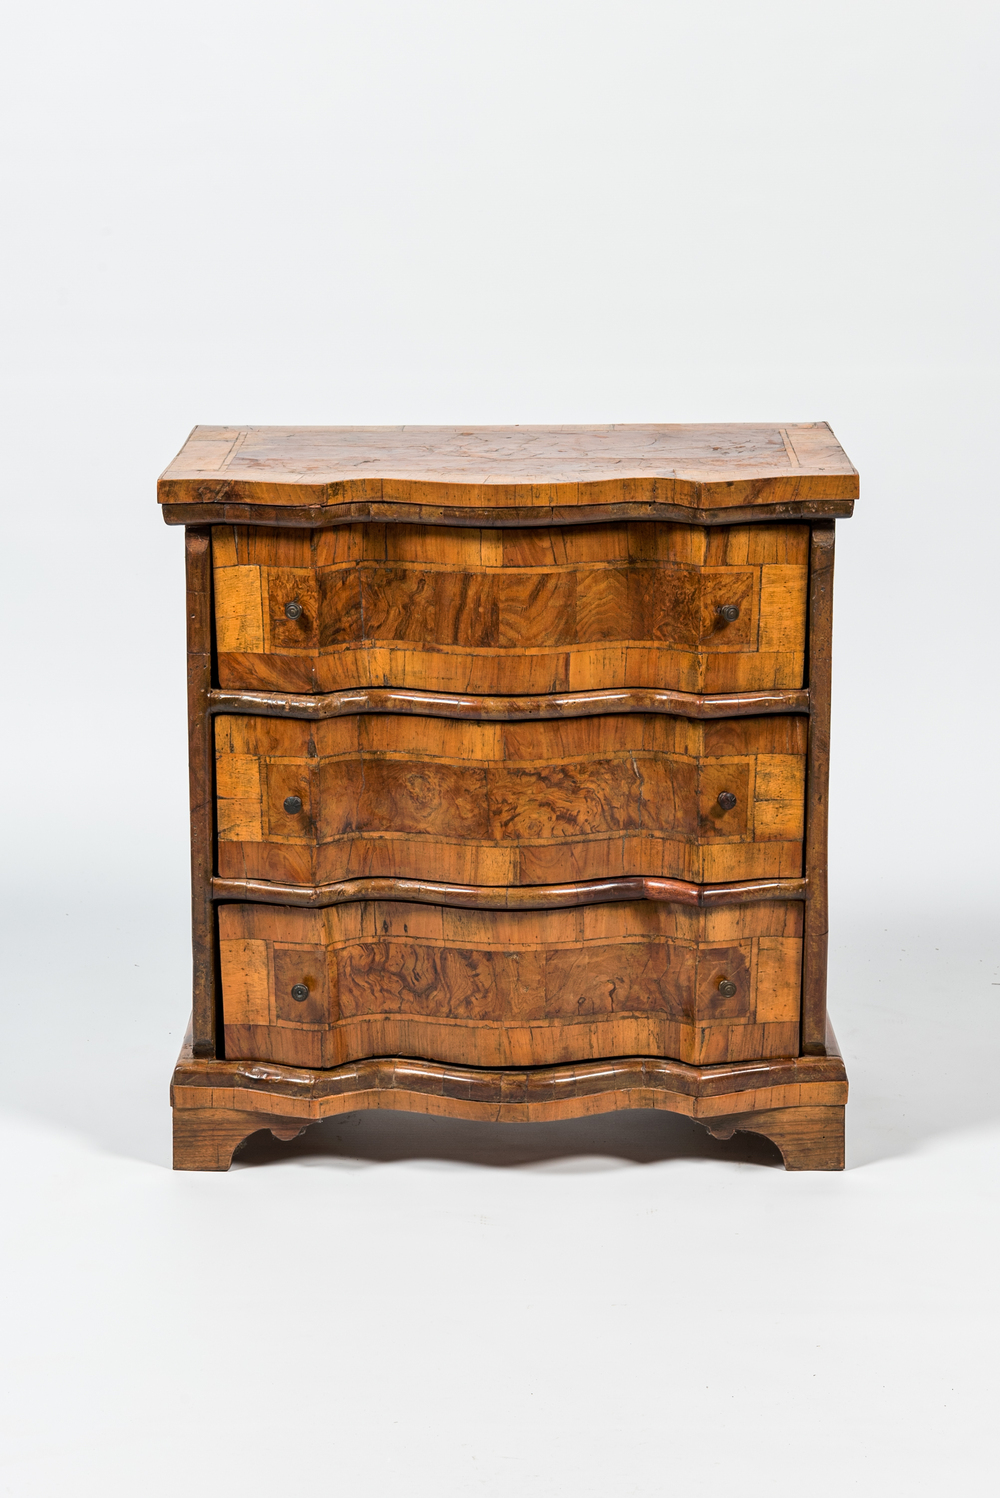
(505, 988)
(510, 803)
(563, 608)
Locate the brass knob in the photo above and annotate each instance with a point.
(730, 612)
(726, 988)
(293, 610)
(727, 800)
(293, 805)
(300, 992)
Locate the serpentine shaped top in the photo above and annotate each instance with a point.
(795, 469)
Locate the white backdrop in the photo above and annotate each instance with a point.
(579, 212)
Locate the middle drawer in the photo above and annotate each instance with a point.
(544, 802)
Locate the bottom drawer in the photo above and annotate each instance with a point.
(511, 988)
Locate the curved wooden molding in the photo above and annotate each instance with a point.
(316, 516)
(511, 709)
(797, 1102)
(534, 897)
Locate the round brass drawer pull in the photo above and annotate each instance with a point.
(726, 988)
(300, 992)
(727, 800)
(293, 610)
(730, 612)
(293, 805)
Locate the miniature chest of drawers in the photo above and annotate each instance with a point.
(509, 755)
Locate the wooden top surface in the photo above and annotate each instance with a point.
(799, 468)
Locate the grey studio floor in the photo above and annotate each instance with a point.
(401, 1304)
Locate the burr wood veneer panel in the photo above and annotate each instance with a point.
(501, 988)
(532, 803)
(558, 608)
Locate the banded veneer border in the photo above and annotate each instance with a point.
(598, 703)
(513, 897)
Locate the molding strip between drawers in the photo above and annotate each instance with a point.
(503, 897)
(511, 709)
(311, 1086)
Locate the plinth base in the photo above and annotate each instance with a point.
(797, 1103)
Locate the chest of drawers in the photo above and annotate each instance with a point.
(509, 755)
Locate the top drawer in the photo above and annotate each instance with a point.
(549, 609)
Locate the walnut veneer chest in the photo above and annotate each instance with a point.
(509, 752)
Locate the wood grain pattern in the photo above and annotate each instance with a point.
(809, 1138)
(218, 1103)
(509, 803)
(519, 612)
(208, 1138)
(511, 988)
(796, 469)
(491, 897)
